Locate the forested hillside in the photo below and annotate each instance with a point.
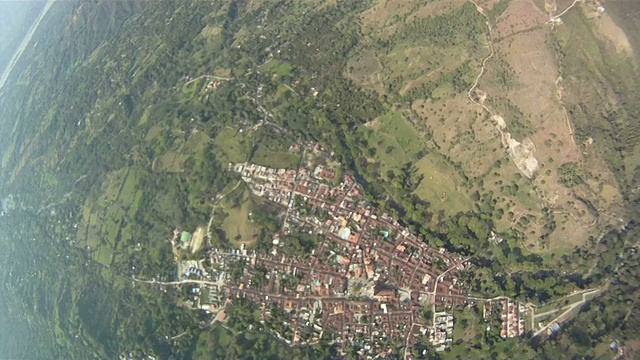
(17, 18)
(120, 127)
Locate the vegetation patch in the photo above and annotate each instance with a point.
(279, 68)
(276, 159)
(441, 185)
(237, 225)
(392, 142)
(232, 144)
(170, 162)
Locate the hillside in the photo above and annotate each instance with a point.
(457, 118)
(17, 18)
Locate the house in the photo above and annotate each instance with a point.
(384, 293)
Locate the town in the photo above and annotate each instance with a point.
(356, 273)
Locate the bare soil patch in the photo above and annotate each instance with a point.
(610, 31)
(198, 239)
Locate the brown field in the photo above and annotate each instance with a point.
(379, 18)
(522, 83)
(462, 132)
(519, 17)
(198, 239)
(535, 94)
(612, 33)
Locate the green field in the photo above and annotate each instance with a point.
(105, 215)
(276, 159)
(280, 68)
(394, 139)
(440, 185)
(396, 143)
(467, 325)
(233, 144)
(236, 225)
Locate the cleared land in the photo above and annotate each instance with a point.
(198, 239)
(441, 185)
(237, 224)
(393, 141)
(275, 159)
(523, 83)
(234, 145)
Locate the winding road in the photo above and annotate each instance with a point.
(484, 61)
(565, 10)
(565, 314)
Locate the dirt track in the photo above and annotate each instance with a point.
(198, 239)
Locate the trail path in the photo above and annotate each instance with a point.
(567, 9)
(484, 61)
(291, 196)
(208, 77)
(567, 312)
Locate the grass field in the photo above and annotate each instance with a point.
(275, 159)
(395, 140)
(170, 162)
(366, 70)
(235, 146)
(197, 142)
(440, 185)
(145, 116)
(236, 225)
(468, 325)
(103, 216)
(103, 256)
(280, 68)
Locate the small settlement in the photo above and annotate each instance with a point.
(512, 316)
(367, 279)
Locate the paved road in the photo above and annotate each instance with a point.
(293, 192)
(567, 312)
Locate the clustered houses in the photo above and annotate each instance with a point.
(512, 316)
(367, 279)
(270, 183)
(442, 331)
(364, 280)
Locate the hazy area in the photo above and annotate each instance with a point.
(16, 17)
(127, 128)
(17, 26)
